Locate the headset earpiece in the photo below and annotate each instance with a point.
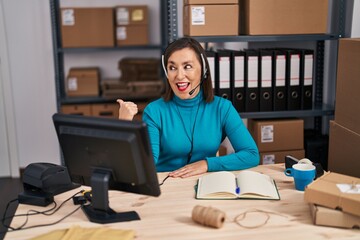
(204, 65)
(163, 65)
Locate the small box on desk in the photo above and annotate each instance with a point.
(211, 20)
(333, 218)
(87, 27)
(277, 134)
(83, 82)
(335, 191)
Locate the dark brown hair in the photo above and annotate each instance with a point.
(191, 43)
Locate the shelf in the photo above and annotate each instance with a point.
(91, 100)
(268, 38)
(96, 49)
(317, 111)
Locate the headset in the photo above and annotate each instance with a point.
(204, 76)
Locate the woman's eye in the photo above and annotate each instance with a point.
(171, 68)
(188, 66)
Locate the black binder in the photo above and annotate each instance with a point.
(293, 79)
(211, 55)
(306, 78)
(238, 81)
(265, 81)
(279, 80)
(222, 66)
(251, 81)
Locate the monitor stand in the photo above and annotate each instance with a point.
(99, 211)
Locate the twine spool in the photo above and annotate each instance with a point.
(208, 216)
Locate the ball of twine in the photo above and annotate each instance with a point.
(208, 216)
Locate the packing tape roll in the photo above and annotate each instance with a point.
(208, 216)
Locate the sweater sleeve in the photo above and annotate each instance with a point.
(154, 131)
(246, 153)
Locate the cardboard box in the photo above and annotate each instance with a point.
(333, 218)
(76, 109)
(272, 17)
(277, 134)
(132, 35)
(87, 27)
(325, 191)
(83, 82)
(132, 15)
(211, 20)
(348, 84)
(344, 150)
(279, 156)
(110, 110)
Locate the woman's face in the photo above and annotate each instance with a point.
(184, 73)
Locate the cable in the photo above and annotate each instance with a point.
(35, 212)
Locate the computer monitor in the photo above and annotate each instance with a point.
(107, 154)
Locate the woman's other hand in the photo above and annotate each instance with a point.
(127, 110)
(191, 169)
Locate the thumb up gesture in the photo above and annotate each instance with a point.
(127, 110)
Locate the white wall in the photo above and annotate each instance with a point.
(28, 34)
(355, 30)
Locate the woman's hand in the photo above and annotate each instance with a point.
(127, 110)
(191, 169)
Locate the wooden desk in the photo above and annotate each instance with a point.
(169, 216)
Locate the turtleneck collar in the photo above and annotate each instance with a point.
(188, 102)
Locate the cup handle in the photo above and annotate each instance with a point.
(288, 172)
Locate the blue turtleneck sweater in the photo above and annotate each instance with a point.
(175, 124)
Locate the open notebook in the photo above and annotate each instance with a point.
(244, 185)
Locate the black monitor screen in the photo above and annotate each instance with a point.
(119, 149)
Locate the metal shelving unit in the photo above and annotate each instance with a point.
(59, 53)
(319, 109)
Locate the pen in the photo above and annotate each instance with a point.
(237, 190)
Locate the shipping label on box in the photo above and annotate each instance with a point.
(336, 191)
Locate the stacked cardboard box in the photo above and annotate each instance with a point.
(211, 17)
(277, 138)
(334, 200)
(344, 134)
(132, 25)
(87, 27)
(259, 17)
(98, 110)
(83, 82)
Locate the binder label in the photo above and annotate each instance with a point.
(252, 72)
(266, 71)
(280, 71)
(211, 61)
(224, 68)
(295, 70)
(308, 70)
(239, 72)
(267, 133)
(198, 15)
